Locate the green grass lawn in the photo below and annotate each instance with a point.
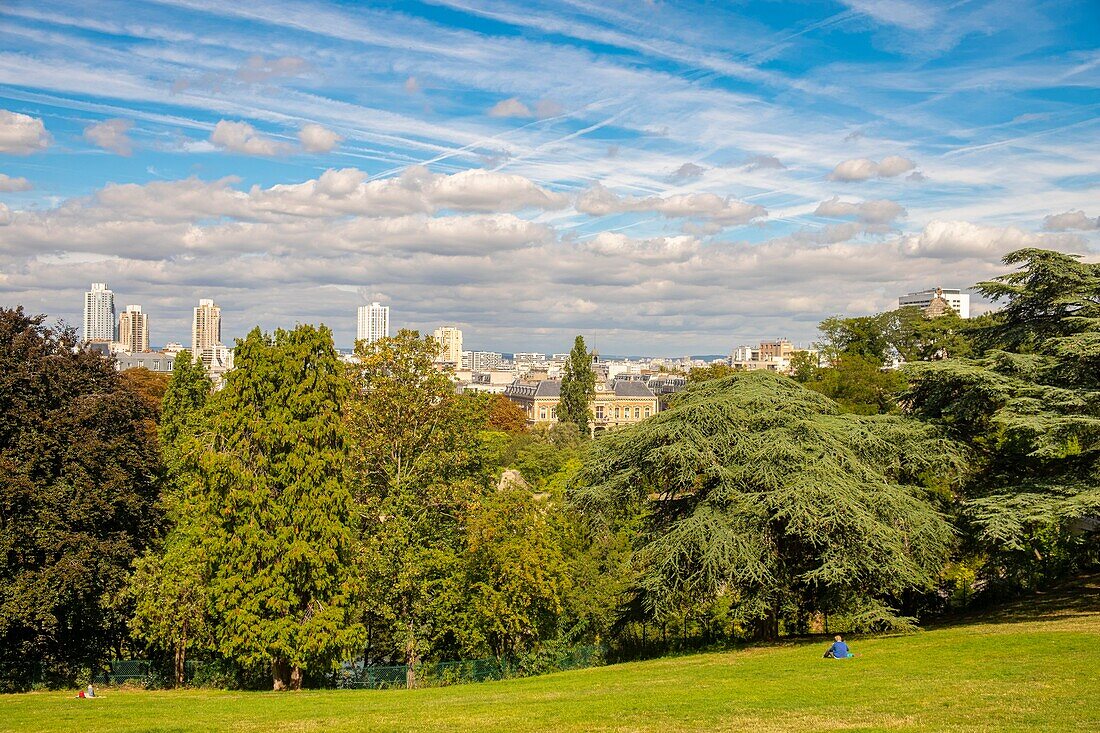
(1035, 666)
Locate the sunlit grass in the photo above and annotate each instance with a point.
(1035, 667)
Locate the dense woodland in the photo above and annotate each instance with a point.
(312, 513)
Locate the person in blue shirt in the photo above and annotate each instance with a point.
(839, 650)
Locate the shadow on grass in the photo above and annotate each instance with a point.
(1077, 597)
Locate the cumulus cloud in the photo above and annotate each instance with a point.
(687, 171)
(510, 107)
(862, 169)
(600, 201)
(1071, 220)
(111, 135)
(758, 162)
(318, 139)
(5, 215)
(656, 249)
(241, 137)
(22, 134)
(955, 240)
(8, 183)
(881, 211)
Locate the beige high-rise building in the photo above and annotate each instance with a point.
(450, 339)
(206, 328)
(133, 329)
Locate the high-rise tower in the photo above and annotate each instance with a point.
(99, 313)
(206, 328)
(374, 322)
(133, 329)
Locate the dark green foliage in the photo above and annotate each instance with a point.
(858, 384)
(78, 487)
(760, 490)
(578, 387)
(1029, 408)
(280, 522)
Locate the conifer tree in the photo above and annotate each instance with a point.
(281, 523)
(760, 492)
(578, 387)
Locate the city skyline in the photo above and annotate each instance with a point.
(532, 171)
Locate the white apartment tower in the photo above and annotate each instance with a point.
(450, 340)
(374, 323)
(99, 313)
(133, 329)
(206, 328)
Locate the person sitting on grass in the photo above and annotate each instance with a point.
(839, 650)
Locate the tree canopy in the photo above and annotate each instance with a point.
(760, 490)
(79, 472)
(1028, 406)
(578, 386)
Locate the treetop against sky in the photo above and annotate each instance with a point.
(667, 176)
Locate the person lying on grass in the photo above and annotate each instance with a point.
(839, 650)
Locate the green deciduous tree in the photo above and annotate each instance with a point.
(1028, 405)
(280, 521)
(418, 467)
(79, 471)
(578, 387)
(170, 584)
(760, 491)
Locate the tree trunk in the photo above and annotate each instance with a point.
(411, 659)
(181, 653)
(296, 678)
(280, 674)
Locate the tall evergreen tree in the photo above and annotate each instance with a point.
(1028, 406)
(760, 492)
(79, 472)
(170, 582)
(578, 387)
(281, 521)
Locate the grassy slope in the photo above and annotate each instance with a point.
(1033, 667)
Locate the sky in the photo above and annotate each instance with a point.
(662, 177)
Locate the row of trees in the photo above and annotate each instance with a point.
(309, 513)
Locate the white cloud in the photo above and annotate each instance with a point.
(1071, 220)
(412, 86)
(547, 108)
(5, 216)
(241, 137)
(21, 134)
(600, 201)
(880, 211)
(758, 162)
(257, 68)
(862, 169)
(318, 139)
(955, 240)
(688, 170)
(7, 183)
(511, 107)
(111, 135)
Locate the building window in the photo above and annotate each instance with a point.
(542, 413)
(156, 365)
(554, 413)
(616, 413)
(599, 412)
(170, 365)
(647, 412)
(637, 412)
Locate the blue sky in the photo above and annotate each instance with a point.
(663, 177)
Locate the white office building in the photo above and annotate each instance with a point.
(450, 341)
(99, 314)
(374, 323)
(133, 330)
(956, 299)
